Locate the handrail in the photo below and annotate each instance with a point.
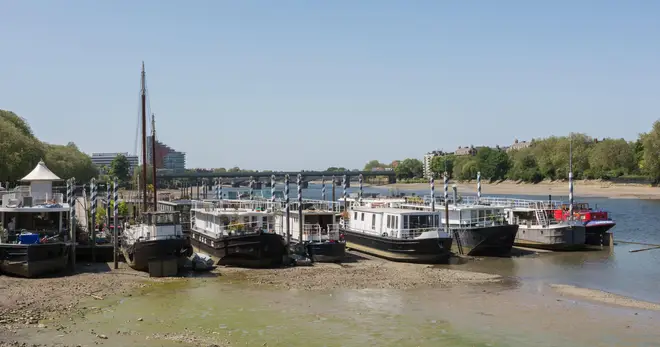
(399, 233)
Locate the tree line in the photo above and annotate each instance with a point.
(547, 158)
(20, 151)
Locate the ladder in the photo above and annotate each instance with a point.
(459, 245)
(540, 214)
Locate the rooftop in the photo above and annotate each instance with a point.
(41, 173)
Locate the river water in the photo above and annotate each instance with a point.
(522, 311)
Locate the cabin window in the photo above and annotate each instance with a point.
(355, 215)
(373, 222)
(389, 221)
(437, 220)
(396, 222)
(362, 217)
(405, 222)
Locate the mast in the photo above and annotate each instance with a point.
(143, 85)
(153, 158)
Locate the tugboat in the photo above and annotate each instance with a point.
(32, 226)
(158, 237)
(596, 222)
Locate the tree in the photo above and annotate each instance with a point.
(374, 164)
(611, 158)
(524, 166)
(336, 169)
(441, 164)
(20, 151)
(409, 168)
(492, 163)
(652, 153)
(120, 168)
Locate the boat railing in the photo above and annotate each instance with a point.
(398, 234)
(315, 233)
(216, 230)
(496, 201)
(481, 221)
(21, 199)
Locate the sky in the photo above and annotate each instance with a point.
(303, 85)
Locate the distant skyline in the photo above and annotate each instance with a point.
(293, 85)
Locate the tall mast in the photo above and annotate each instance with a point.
(144, 139)
(153, 157)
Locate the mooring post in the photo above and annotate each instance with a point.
(334, 183)
(301, 220)
(432, 183)
(115, 233)
(73, 223)
(108, 198)
(287, 209)
(478, 187)
(93, 188)
(446, 187)
(345, 186)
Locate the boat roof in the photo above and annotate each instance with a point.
(41, 173)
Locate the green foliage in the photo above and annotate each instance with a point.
(336, 169)
(651, 156)
(440, 164)
(549, 158)
(20, 152)
(374, 164)
(120, 168)
(409, 168)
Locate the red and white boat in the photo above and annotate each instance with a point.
(596, 222)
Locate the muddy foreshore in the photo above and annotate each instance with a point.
(31, 303)
(34, 312)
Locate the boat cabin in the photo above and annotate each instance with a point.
(396, 223)
(465, 215)
(318, 225)
(181, 206)
(217, 222)
(34, 208)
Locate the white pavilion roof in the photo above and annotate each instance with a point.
(41, 173)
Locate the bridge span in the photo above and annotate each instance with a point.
(307, 175)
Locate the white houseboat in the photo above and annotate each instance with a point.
(34, 220)
(237, 233)
(397, 234)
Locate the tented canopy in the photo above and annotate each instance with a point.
(41, 173)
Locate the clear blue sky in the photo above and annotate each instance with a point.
(311, 84)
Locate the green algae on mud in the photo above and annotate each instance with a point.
(186, 312)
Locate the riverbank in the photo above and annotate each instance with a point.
(382, 302)
(557, 189)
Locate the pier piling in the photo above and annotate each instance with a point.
(300, 210)
(115, 223)
(93, 187)
(287, 209)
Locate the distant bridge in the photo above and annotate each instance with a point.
(307, 175)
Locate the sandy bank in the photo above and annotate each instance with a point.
(558, 189)
(604, 297)
(363, 274)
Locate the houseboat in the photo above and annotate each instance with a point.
(597, 223)
(237, 233)
(396, 234)
(34, 223)
(478, 229)
(538, 227)
(321, 237)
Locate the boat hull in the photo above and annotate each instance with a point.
(255, 250)
(566, 238)
(326, 252)
(494, 241)
(596, 232)
(33, 260)
(141, 253)
(428, 251)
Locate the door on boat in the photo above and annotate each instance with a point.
(391, 225)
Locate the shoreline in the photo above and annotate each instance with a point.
(589, 189)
